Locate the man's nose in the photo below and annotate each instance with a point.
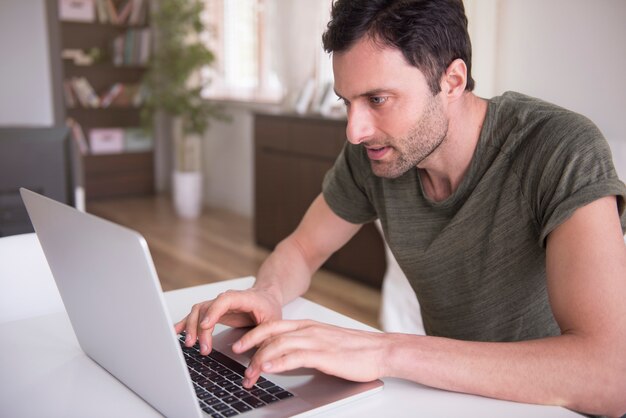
(360, 126)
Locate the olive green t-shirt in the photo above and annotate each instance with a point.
(477, 259)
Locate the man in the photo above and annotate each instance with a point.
(504, 214)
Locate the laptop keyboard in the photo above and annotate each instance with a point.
(217, 380)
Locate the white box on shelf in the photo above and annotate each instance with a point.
(106, 140)
(77, 10)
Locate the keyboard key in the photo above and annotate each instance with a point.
(253, 401)
(241, 407)
(212, 400)
(205, 395)
(227, 361)
(220, 393)
(232, 376)
(240, 393)
(220, 406)
(222, 381)
(274, 389)
(212, 375)
(230, 399)
(232, 388)
(269, 398)
(218, 367)
(212, 388)
(265, 384)
(283, 395)
(258, 392)
(207, 408)
(229, 413)
(203, 369)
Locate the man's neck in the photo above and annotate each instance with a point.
(442, 172)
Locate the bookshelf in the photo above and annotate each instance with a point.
(104, 48)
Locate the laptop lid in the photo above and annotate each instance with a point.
(112, 295)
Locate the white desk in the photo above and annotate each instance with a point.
(44, 373)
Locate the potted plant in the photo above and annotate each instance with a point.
(172, 87)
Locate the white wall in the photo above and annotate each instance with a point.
(567, 51)
(25, 80)
(229, 162)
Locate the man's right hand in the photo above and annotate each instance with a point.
(235, 308)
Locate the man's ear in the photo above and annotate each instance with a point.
(454, 80)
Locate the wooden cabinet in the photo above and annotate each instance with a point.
(292, 155)
(117, 174)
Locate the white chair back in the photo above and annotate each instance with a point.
(27, 287)
(400, 309)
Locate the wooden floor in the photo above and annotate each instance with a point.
(219, 246)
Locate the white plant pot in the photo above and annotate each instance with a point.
(187, 193)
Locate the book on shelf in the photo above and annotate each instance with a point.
(68, 93)
(85, 93)
(78, 136)
(123, 95)
(103, 16)
(78, 91)
(110, 7)
(124, 12)
(130, 12)
(111, 95)
(138, 13)
(132, 47)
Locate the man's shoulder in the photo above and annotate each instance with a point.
(525, 123)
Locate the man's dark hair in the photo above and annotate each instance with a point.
(430, 33)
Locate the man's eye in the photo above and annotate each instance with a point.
(378, 100)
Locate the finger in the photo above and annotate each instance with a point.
(284, 360)
(205, 336)
(191, 326)
(264, 359)
(229, 301)
(180, 325)
(290, 360)
(262, 332)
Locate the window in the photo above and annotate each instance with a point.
(237, 34)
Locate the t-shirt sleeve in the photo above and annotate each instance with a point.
(344, 189)
(574, 168)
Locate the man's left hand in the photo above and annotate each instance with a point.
(286, 345)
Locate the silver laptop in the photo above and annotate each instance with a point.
(114, 300)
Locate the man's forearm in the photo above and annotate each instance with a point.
(286, 273)
(567, 370)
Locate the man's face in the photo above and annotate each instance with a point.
(391, 110)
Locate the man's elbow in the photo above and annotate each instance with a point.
(608, 395)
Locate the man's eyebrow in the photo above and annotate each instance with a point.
(369, 93)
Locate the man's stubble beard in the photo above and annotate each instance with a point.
(426, 136)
